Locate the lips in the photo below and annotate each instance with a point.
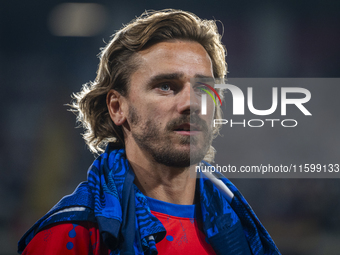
(188, 127)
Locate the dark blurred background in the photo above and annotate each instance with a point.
(48, 49)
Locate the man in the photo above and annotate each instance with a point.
(144, 109)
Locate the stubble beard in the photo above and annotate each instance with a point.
(159, 145)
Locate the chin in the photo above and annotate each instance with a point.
(180, 158)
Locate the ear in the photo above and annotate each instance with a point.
(114, 102)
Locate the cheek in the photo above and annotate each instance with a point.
(152, 115)
(152, 108)
(158, 117)
(159, 108)
(210, 108)
(209, 117)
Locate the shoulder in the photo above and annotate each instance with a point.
(67, 238)
(77, 207)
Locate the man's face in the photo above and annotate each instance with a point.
(163, 121)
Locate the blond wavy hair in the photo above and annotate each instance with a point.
(117, 64)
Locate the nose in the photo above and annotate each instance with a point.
(188, 102)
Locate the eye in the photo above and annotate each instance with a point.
(165, 87)
(200, 89)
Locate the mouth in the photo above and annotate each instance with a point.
(188, 129)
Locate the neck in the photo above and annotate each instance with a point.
(169, 184)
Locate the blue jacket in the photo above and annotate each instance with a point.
(111, 199)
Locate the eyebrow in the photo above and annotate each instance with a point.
(165, 76)
(172, 76)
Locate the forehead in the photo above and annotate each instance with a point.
(181, 49)
(176, 56)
